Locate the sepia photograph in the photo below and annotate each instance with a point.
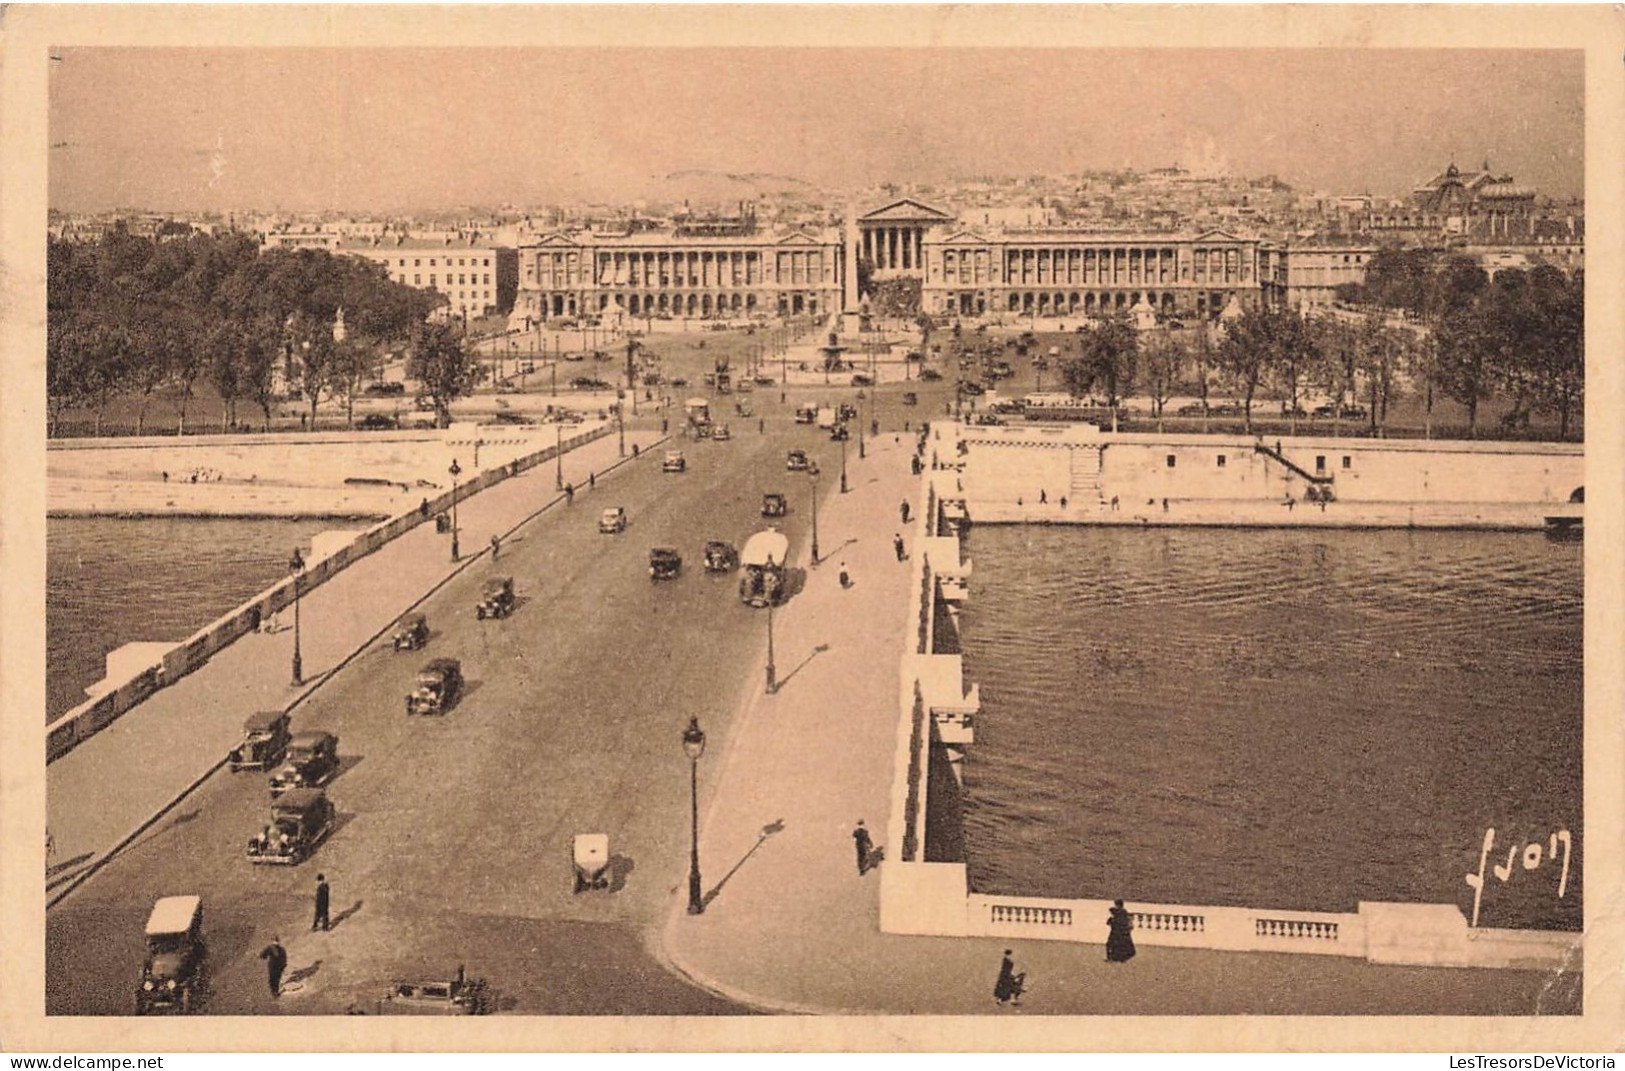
(774, 521)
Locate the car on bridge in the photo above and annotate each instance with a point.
(301, 819)
(796, 461)
(312, 761)
(775, 504)
(722, 434)
(265, 739)
(173, 973)
(665, 563)
(612, 520)
(439, 684)
(720, 556)
(674, 462)
(496, 598)
(411, 633)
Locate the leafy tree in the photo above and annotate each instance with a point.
(1108, 359)
(1164, 362)
(1465, 361)
(1246, 353)
(443, 366)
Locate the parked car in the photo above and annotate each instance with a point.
(973, 388)
(674, 462)
(930, 375)
(1191, 409)
(454, 996)
(721, 433)
(910, 398)
(173, 972)
(1327, 410)
(678, 381)
(384, 390)
(1354, 412)
(796, 461)
(664, 563)
(589, 383)
(612, 520)
(774, 505)
(378, 422)
(439, 683)
(839, 433)
(496, 598)
(863, 379)
(411, 633)
(1227, 409)
(301, 819)
(508, 416)
(312, 760)
(1289, 410)
(265, 740)
(721, 556)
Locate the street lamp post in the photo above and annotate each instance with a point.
(558, 455)
(843, 466)
(620, 422)
(455, 471)
(815, 519)
(694, 747)
(772, 675)
(296, 565)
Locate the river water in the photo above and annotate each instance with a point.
(109, 582)
(1283, 719)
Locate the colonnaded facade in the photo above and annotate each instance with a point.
(959, 271)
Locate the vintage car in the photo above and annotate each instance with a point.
(806, 414)
(172, 975)
(664, 563)
(703, 429)
(862, 379)
(930, 375)
(846, 411)
(720, 556)
(454, 996)
(911, 398)
(411, 633)
(774, 505)
(674, 462)
(301, 818)
(839, 433)
(744, 408)
(721, 434)
(312, 760)
(265, 738)
(438, 685)
(796, 461)
(612, 520)
(496, 598)
(762, 583)
(589, 862)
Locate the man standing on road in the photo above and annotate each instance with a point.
(897, 544)
(324, 897)
(865, 846)
(276, 961)
(903, 509)
(496, 546)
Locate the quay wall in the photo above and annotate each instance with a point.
(927, 892)
(1011, 466)
(89, 718)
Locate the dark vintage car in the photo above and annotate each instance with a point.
(378, 422)
(910, 398)
(846, 411)
(796, 461)
(496, 599)
(720, 556)
(438, 685)
(384, 390)
(612, 520)
(862, 379)
(457, 995)
(265, 739)
(930, 375)
(775, 505)
(411, 633)
(312, 760)
(839, 432)
(301, 818)
(665, 563)
(673, 462)
(1190, 409)
(172, 974)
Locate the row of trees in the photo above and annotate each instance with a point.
(129, 316)
(1519, 338)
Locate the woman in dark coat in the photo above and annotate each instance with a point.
(1010, 984)
(1119, 944)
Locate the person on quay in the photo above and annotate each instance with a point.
(1120, 941)
(903, 510)
(496, 546)
(276, 961)
(897, 545)
(324, 898)
(865, 847)
(1010, 984)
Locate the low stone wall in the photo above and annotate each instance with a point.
(937, 710)
(84, 721)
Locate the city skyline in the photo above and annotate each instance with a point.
(208, 129)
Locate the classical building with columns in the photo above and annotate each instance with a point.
(671, 275)
(1064, 272)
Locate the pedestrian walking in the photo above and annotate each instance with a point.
(897, 544)
(1119, 943)
(846, 579)
(903, 509)
(1165, 505)
(592, 481)
(276, 961)
(865, 847)
(664, 425)
(761, 425)
(423, 509)
(1010, 985)
(1114, 502)
(569, 493)
(496, 546)
(324, 897)
(1063, 502)
(1043, 497)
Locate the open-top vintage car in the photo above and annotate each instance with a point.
(721, 433)
(774, 505)
(312, 760)
(265, 738)
(457, 995)
(720, 556)
(438, 685)
(496, 599)
(301, 818)
(673, 462)
(172, 975)
(411, 633)
(665, 563)
(612, 520)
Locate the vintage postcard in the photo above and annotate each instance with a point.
(812, 527)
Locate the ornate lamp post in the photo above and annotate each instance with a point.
(620, 422)
(558, 456)
(296, 566)
(843, 465)
(455, 470)
(815, 519)
(694, 747)
(772, 672)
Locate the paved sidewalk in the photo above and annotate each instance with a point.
(790, 926)
(104, 789)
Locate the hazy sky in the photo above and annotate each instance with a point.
(213, 128)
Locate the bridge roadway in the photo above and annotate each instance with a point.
(453, 841)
